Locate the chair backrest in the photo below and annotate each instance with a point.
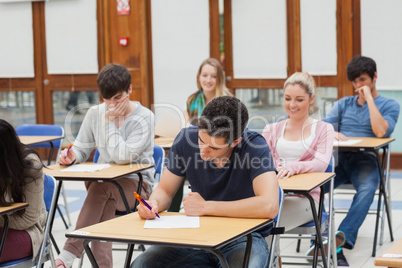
(96, 156)
(43, 130)
(45, 252)
(331, 165)
(159, 155)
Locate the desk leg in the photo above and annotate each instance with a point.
(248, 250)
(222, 259)
(52, 210)
(5, 230)
(91, 257)
(387, 208)
(123, 195)
(317, 222)
(331, 249)
(49, 160)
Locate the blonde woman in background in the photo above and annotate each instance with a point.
(300, 144)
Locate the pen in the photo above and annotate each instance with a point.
(142, 201)
(68, 150)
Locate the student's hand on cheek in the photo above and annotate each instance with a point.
(121, 107)
(194, 204)
(364, 92)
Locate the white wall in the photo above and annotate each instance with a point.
(318, 36)
(259, 39)
(381, 38)
(180, 42)
(16, 40)
(71, 37)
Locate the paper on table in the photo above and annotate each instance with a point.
(85, 168)
(390, 255)
(173, 222)
(348, 142)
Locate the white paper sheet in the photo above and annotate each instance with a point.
(390, 255)
(173, 222)
(348, 142)
(85, 168)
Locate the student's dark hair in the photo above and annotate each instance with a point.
(112, 79)
(224, 117)
(13, 165)
(361, 65)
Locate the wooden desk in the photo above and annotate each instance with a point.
(4, 211)
(365, 143)
(303, 184)
(214, 233)
(109, 175)
(374, 145)
(32, 140)
(165, 143)
(390, 262)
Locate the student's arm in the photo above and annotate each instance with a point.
(162, 196)
(139, 136)
(322, 152)
(264, 204)
(378, 123)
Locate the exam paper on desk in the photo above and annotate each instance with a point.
(173, 222)
(348, 142)
(85, 168)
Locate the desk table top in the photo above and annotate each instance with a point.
(305, 182)
(30, 140)
(213, 233)
(165, 143)
(390, 262)
(111, 173)
(14, 207)
(373, 143)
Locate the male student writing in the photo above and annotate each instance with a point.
(231, 173)
(367, 114)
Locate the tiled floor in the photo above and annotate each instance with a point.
(358, 257)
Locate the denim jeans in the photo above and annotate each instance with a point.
(361, 170)
(161, 256)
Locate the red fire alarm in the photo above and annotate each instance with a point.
(123, 41)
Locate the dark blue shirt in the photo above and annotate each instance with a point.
(234, 181)
(353, 120)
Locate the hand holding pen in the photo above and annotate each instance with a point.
(67, 156)
(142, 201)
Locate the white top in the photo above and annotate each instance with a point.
(291, 151)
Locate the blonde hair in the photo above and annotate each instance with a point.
(306, 81)
(221, 89)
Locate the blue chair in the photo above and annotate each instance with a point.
(48, 130)
(308, 230)
(159, 156)
(45, 252)
(43, 130)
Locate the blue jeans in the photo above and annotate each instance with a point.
(361, 170)
(160, 256)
